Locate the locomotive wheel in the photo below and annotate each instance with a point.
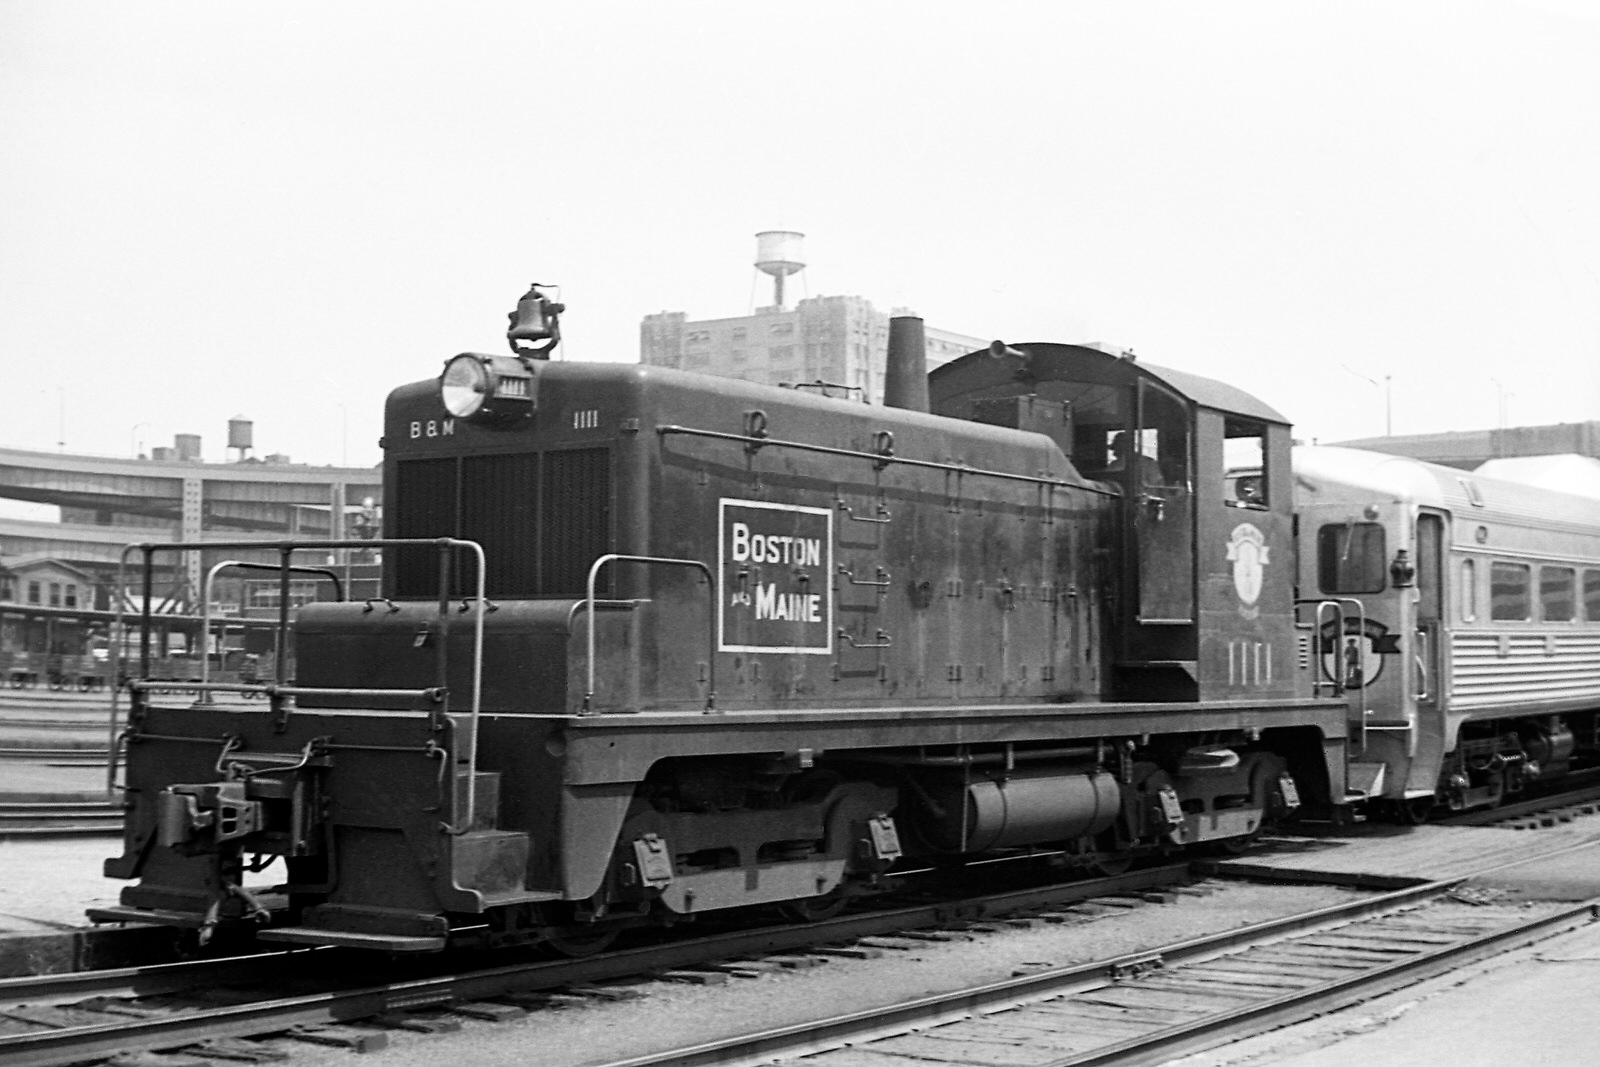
(815, 909)
(584, 939)
(1413, 812)
(1230, 846)
(1110, 864)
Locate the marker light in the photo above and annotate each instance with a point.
(487, 389)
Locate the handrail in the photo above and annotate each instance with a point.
(589, 603)
(277, 692)
(205, 600)
(1336, 679)
(879, 459)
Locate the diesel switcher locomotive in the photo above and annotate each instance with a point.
(654, 644)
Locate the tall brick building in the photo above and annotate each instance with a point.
(836, 341)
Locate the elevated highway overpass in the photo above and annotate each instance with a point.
(108, 503)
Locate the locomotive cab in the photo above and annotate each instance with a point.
(1203, 587)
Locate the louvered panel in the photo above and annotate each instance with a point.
(425, 506)
(1507, 670)
(575, 520)
(498, 510)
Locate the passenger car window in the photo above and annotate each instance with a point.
(1351, 557)
(1557, 588)
(1591, 595)
(1510, 597)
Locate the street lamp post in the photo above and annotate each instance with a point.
(1388, 397)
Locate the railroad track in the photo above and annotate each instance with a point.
(1533, 814)
(1146, 1007)
(59, 818)
(324, 996)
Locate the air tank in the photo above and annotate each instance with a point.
(990, 810)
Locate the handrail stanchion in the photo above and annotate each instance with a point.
(711, 627)
(278, 692)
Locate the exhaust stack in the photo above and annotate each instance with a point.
(905, 378)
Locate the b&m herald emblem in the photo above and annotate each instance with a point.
(775, 568)
(1247, 548)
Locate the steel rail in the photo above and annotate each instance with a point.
(68, 1046)
(1522, 809)
(1332, 995)
(857, 1027)
(150, 979)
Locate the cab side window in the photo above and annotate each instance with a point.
(1244, 455)
(1351, 558)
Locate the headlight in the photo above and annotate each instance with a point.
(481, 388)
(464, 386)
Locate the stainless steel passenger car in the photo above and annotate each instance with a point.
(1472, 647)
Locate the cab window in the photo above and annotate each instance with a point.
(1244, 455)
(1351, 558)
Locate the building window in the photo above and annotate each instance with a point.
(1351, 557)
(1591, 595)
(33, 592)
(781, 353)
(55, 594)
(1469, 590)
(72, 594)
(8, 589)
(782, 329)
(1557, 593)
(738, 333)
(1509, 593)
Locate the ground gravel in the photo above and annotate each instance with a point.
(670, 1015)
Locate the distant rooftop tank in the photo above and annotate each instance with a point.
(187, 446)
(778, 254)
(241, 434)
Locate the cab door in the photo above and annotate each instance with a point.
(1161, 496)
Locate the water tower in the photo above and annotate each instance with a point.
(778, 254)
(240, 436)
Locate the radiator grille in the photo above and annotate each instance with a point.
(424, 506)
(541, 518)
(576, 520)
(499, 504)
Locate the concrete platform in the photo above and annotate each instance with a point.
(34, 781)
(1421, 853)
(1533, 1006)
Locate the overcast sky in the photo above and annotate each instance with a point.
(282, 210)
